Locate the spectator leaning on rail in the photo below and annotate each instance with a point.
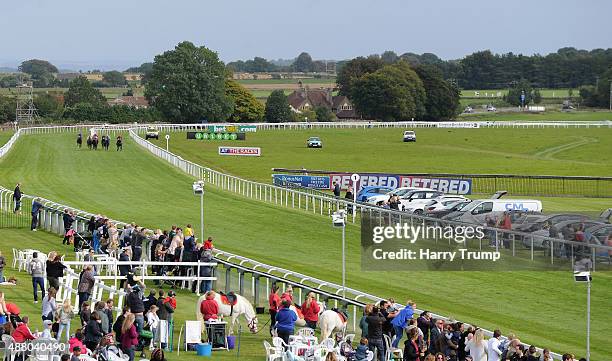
(400, 322)
(36, 207)
(206, 271)
(36, 268)
(493, 351)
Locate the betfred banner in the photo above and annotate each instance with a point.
(305, 181)
(240, 151)
(446, 185)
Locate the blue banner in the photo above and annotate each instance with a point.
(305, 181)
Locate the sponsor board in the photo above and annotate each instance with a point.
(240, 151)
(215, 136)
(446, 185)
(458, 125)
(305, 181)
(231, 128)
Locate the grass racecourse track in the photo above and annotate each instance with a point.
(544, 308)
(481, 151)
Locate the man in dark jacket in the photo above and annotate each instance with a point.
(336, 190)
(138, 237)
(124, 270)
(150, 300)
(134, 301)
(17, 198)
(86, 283)
(206, 271)
(424, 323)
(161, 309)
(375, 321)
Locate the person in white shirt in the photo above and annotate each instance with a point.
(153, 321)
(477, 346)
(493, 350)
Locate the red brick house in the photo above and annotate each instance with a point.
(309, 99)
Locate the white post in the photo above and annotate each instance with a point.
(355, 179)
(167, 139)
(588, 340)
(344, 266)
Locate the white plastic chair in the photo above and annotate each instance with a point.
(392, 353)
(272, 352)
(328, 343)
(8, 340)
(369, 356)
(349, 338)
(279, 343)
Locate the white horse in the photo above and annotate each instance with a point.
(330, 322)
(242, 307)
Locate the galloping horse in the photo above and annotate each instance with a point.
(242, 307)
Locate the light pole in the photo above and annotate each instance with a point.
(167, 139)
(585, 277)
(339, 220)
(198, 189)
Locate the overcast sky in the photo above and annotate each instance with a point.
(85, 34)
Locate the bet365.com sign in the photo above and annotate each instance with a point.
(215, 136)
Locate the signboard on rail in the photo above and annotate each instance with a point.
(240, 151)
(304, 181)
(446, 185)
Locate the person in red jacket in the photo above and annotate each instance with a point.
(129, 336)
(208, 244)
(274, 302)
(209, 307)
(311, 309)
(22, 333)
(288, 294)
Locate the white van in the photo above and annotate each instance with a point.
(477, 210)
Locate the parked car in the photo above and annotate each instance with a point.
(479, 209)
(369, 191)
(440, 209)
(532, 223)
(152, 133)
(374, 199)
(491, 108)
(418, 206)
(409, 136)
(418, 195)
(540, 242)
(468, 110)
(314, 142)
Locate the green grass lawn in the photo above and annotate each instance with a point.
(5, 135)
(134, 186)
(481, 151)
(551, 115)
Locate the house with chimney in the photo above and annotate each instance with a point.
(304, 99)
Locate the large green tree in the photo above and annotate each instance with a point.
(49, 105)
(41, 71)
(277, 108)
(516, 90)
(355, 69)
(442, 97)
(81, 91)
(599, 95)
(187, 84)
(303, 63)
(114, 78)
(246, 107)
(393, 93)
